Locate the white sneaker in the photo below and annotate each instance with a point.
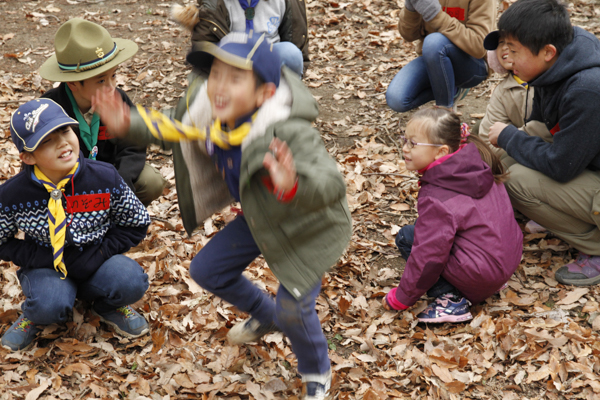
(315, 386)
(249, 331)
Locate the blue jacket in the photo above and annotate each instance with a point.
(566, 100)
(105, 218)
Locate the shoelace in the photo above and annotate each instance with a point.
(126, 311)
(25, 324)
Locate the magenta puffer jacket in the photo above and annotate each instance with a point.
(466, 231)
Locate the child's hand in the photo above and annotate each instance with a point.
(114, 112)
(495, 132)
(280, 165)
(385, 303)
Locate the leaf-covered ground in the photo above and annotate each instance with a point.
(535, 340)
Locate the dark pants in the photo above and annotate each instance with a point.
(120, 281)
(404, 240)
(218, 268)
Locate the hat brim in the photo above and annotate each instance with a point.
(52, 72)
(206, 52)
(491, 40)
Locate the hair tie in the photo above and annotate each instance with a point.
(464, 132)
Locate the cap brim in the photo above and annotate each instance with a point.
(205, 52)
(491, 40)
(52, 72)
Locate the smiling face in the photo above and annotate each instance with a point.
(527, 65)
(56, 154)
(233, 92)
(84, 90)
(419, 157)
(502, 52)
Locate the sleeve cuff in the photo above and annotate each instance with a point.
(393, 301)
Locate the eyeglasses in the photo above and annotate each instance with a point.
(409, 143)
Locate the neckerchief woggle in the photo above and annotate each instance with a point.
(57, 220)
(248, 6)
(88, 133)
(164, 128)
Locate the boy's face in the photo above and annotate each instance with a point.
(233, 93)
(502, 52)
(526, 65)
(84, 90)
(56, 154)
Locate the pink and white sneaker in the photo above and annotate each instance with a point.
(448, 307)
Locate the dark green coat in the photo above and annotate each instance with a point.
(300, 240)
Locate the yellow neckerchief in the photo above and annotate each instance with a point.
(57, 220)
(521, 82)
(170, 130)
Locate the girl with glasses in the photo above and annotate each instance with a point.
(465, 244)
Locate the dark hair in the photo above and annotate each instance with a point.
(258, 80)
(537, 23)
(443, 126)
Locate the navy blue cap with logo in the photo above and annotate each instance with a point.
(35, 120)
(245, 50)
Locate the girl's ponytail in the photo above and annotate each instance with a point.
(490, 158)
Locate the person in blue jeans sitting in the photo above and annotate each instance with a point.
(78, 216)
(283, 21)
(450, 47)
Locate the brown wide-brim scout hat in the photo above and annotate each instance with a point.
(82, 50)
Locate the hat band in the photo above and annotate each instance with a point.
(92, 64)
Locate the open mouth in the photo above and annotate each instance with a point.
(66, 154)
(220, 101)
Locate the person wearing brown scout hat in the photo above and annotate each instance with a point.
(86, 58)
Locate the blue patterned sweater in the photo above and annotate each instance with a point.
(105, 218)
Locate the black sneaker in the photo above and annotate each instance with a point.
(249, 331)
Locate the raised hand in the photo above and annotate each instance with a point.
(280, 164)
(114, 112)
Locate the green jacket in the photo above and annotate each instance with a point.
(300, 240)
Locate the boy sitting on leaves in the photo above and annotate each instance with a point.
(555, 166)
(86, 58)
(255, 124)
(78, 216)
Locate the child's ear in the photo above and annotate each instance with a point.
(549, 52)
(73, 86)
(442, 151)
(27, 158)
(265, 92)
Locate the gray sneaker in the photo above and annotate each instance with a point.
(249, 331)
(125, 321)
(584, 271)
(20, 335)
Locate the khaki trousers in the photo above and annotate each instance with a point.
(149, 185)
(571, 210)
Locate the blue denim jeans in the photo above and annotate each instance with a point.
(291, 56)
(435, 75)
(118, 282)
(218, 268)
(404, 240)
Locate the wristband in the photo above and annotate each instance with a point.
(393, 302)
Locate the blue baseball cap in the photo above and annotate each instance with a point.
(35, 120)
(245, 50)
